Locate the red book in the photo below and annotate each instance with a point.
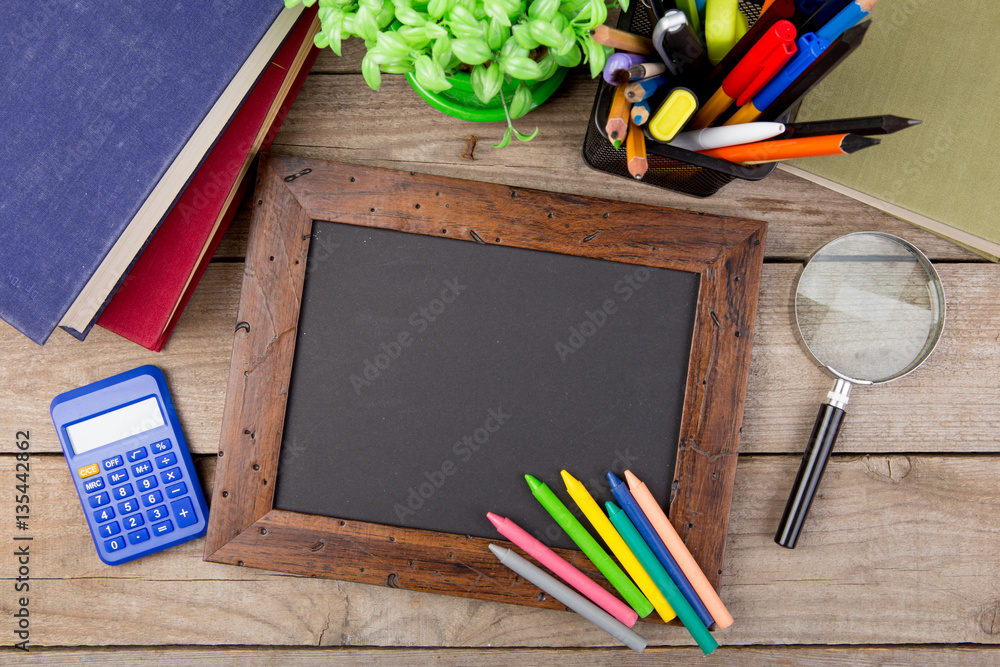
(151, 298)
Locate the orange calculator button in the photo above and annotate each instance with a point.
(87, 471)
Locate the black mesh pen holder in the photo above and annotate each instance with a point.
(668, 167)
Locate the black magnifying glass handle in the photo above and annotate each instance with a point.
(824, 436)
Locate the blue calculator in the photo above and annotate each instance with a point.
(130, 464)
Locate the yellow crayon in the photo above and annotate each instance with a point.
(599, 520)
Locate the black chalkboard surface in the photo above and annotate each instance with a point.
(431, 374)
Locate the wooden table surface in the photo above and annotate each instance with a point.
(898, 565)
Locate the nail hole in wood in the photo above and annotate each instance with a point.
(263, 531)
(343, 523)
(390, 581)
(353, 179)
(255, 466)
(243, 325)
(240, 563)
(319, 545)
(264, 482)
(417, 206)
(225, 494)
(271, 258)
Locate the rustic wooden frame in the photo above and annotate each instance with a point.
(245, 529)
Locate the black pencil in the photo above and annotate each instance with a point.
(865, 126)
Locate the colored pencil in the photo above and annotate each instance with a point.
(569, 597)
(635, 146)
(679, 551)
(666, 585)
(865, 126)
(563, 569)
(640, 90)
(622, 40)
(597, 555)
(640, 112)
(788, 149)
(617, 125)
(599, 520)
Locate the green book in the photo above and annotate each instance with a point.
(936, 62)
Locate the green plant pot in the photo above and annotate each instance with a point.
(460, 102)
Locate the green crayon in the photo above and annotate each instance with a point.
(597, 555)
(685, 612)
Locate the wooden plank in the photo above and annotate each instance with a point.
(943, 656)
(785, 387)
(340, 118)
(898, 549)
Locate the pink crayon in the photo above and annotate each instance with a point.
(564, 569)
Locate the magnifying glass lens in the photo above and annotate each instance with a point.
(867, 308)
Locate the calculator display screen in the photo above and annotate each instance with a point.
(109, 427)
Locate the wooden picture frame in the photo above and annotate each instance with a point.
(245, 528)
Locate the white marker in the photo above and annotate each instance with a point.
(727, 135)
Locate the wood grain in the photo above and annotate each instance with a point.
(944, 656)
(950, 404)
(897, 549)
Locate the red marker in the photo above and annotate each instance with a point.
(759, 66)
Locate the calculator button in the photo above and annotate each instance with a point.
(163, 528)
(136, 455)
(115, 544)
(140, 469)
(118, 476)
(129, 506)
(95, 484)
(171, 475)
(100, 499)
(113, 462)
(157, 513)
(161, 446)
(140, 535)
(133, 521)
(87, 471)
(109, 529)
(122, 492)
(178, 489)
(183, 512)
(106, 514)
(152, 498)
(147, 483)
(166, 460)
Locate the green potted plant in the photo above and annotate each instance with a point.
(480, 60)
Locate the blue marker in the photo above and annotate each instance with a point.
(624, 497)
(810, 47)
(848, 17)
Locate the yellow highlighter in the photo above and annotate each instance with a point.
(599, 520)
(672, 114)
(725, 25)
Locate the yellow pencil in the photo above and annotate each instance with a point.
(599, 520)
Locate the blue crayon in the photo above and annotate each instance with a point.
(628, 503)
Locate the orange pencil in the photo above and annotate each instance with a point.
(788, 149)
(635, 145)
(767, 5)
(617, 125)
(621, 40)
(679, 551)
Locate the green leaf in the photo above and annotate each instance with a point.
(599, 12)
(438, 8)
(486, 82)
(441, 51)
(597, 56)
(496, 34)
(471, 51)
(522, 67)
(365, 25)
(385, 16)
(291, 3)
(462, 16)
(544, 33)
(569, 41)
(393, 44)
(523, 36)
(415, 36)
(512, 48)
(544, 10)
(525, 137)
(370, 70)
(410, 16)
(429, 74)
(506, 138)
(570, 59)
(548, 67)
(623, 4)
(521, 102)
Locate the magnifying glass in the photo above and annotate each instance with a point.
(870, 308)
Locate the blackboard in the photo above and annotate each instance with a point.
(431, 374)
(317, 448)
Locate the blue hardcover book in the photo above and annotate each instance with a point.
(101, 102)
